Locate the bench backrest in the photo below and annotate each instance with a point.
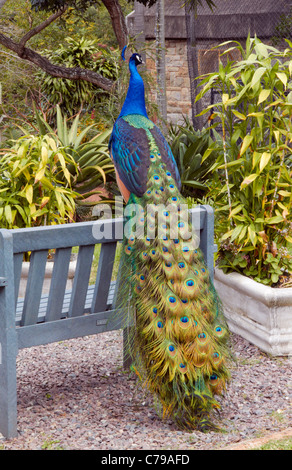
(36, 311)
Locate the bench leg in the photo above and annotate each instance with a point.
(127, 359)
(8, 391)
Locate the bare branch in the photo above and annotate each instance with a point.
(58, 71)
(41, 26)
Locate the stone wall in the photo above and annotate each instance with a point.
(177, 80)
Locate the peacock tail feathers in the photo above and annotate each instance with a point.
(179, 339)
(179, 345)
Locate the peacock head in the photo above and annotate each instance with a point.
(137, 58)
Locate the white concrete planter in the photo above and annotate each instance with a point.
(259, 313)
(48, 276)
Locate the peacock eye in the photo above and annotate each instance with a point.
(160, 324)
(181, 265)
(184, 319)
(156, 177)
(165, 249)
(190, 283)
(202, 336)
(181, 224)
(172, 300)
(171, 348)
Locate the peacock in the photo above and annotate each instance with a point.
(180, 344)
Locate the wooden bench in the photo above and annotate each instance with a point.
(60, 314)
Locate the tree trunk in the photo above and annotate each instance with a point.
(160, 63)
(118, 21)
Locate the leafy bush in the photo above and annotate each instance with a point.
(89, 163)
(191, 149)
(35, 184)
(73, 95)
(252, 176)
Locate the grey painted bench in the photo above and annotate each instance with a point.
(85, 309)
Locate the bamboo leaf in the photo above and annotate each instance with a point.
(235, 211)
(8, 214)
(252, 236)
(39, 175)
(284, 193)
(274, 220)
(245, 144)
(29, 193)
(239, 115)
(226, 235)
(44, 154)
(265, 158)
(257, 76)
(264, 94)
(236, 232)
(283, 77)
(249, 179)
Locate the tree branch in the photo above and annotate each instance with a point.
(58, 71)
(41, 26)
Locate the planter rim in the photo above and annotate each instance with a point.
(271, 296)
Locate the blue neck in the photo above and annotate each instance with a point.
(135, 99)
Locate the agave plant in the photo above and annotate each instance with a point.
(191, 149)
(92, 163)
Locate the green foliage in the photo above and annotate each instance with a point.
(252, 176)
(89, 162)
(283, 30)
(191, 149)
(35, 184)
(75, 95)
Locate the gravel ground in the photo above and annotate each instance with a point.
(74, 395)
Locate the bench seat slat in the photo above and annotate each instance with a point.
(59, 330)
(42, 317)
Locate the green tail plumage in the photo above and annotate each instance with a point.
(179, 344)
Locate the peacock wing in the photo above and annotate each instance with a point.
(131, 144)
